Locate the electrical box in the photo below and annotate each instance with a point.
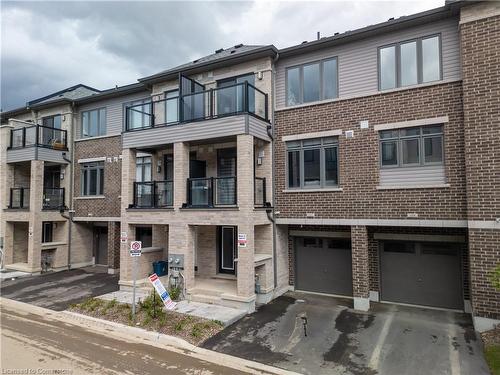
(349, 133)
(364, 124)
(176, 261)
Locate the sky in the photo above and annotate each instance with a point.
(48, 46)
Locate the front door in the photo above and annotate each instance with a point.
(101, 245)
(227, 247)
(226, 173)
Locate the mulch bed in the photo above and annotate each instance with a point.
(491, 337)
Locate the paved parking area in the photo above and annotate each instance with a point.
(389, 339)
(58, 290)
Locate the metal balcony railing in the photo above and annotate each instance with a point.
(224, 101)
(53, 198)
(153, 194)
(260, 192)
(19, 198)
(40, 136)
(211, 192)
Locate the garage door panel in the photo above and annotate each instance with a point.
(323, 269)
(428, 275)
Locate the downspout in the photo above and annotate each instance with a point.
(271, 135)
(71, 182)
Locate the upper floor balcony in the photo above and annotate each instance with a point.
(37, 142)
(198, 114)
(52, 198)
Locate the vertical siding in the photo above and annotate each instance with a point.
(357, 61)
(114, 112)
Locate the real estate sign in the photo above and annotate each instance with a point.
(162, 292)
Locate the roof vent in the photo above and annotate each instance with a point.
(336, 33)
(195, 61)
(304, 42)
(233, 51)
(219, 50)
(238, 45)
(391, 19)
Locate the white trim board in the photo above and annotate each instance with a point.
(298, 137)
(90, 160)
(95, 218)
(412, 123)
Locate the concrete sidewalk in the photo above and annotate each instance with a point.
(140, 337)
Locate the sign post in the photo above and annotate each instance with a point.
(135, 251)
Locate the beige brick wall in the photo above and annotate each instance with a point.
(206, 250)
(20, 248)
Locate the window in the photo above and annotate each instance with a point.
(172, 106)
(47, 230)
(410, 63)
(145, 235)
(312, 163)
(143, 169)
(411, 146)
(52, 121)
(138, 114)
(92, 179)
(312, 82)
(94, 122)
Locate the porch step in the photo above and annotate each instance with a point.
(206, 292)
(204, 298)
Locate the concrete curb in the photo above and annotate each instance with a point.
(139, 335)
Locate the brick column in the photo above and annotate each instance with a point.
(113, 247)
(181, 173)
(246, 265)
(245, 174)
(35, 224)
(128, 178)
(360, 268)
(181, 241)
(8, 241)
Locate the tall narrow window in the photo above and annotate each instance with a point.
(330, 79)
(293, 169)
(92, 179)
(311, 83)
(293, 96)
(408, 58)
(143, 169)
(94, 122)
(430, 59)
(387, 67)
(172, 106)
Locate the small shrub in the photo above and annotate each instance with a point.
(175, 293)
(151, 304)
(197, 330)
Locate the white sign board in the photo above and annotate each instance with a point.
(162, 292)
(124, 237)
(135, 248)
(242, 240)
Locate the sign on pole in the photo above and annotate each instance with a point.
(242, 240)
(135, 248)
(162, 292)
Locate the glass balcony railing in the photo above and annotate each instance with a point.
(153, 194)
(19, 198)
(39, 135)
(204, 105)
(211, 192)
(53, 198)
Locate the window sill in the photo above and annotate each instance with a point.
(323, 190)
(152, 249)
(401, 187)
(91, 197)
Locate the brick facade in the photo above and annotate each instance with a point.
(109, 206)
(359, 157)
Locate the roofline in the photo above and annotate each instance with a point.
(31, 102)
(110, 93)
(446, 11)
(269, 50)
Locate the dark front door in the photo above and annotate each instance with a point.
(421, 274)
(101, 245)
(323, 265)
(227, 248)
(199, 186)
(226, 172)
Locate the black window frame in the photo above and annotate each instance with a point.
(86, 168)
(47, 231)
(52, 117)
(139, 233)
(399, 139)
(324, 143)
(167, 99)
(321, 81)
(101, 131)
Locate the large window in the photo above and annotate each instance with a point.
(411, 146)
(138, 114)
(94, 122)
(143, 169)
(145, 235)
(312, 163)
(92, 179)
(52, 121)
(312, 82)
(410, 63)
(172, 106)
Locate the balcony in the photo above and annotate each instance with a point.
(37, 142)
(153, 194)
(231, 110)
(53, 198)
(19, 198)
(211, 192)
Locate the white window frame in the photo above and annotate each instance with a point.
(100, 131)
(85, 168)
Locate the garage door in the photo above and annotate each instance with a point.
(421, 274)
(323, 265)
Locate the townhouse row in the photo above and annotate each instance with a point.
(363, 164)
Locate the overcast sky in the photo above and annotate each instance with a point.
(47, 46)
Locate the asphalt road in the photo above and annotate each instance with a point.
(38, 344)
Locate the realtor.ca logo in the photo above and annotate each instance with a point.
(37, 371)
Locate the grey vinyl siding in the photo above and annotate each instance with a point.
(114, 113)
(408, 176)
(209, 129)
(34, 153)
(357, 61)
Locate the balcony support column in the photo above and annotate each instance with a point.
(35, 222)
(128, 178)
(245, 172)
(181, 173)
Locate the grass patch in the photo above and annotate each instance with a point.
(151, 315)
(492, 355)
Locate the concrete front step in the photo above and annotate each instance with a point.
(205, 298)
(206, 292)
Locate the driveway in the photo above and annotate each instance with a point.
(389, 339)
(58, 290)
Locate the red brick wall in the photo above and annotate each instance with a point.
(359, 157)
(110, 205)
(360, 261)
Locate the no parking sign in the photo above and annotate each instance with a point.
(135, 248)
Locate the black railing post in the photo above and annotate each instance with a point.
(11, 137)
(245, 97)
(63, 197)
(152, 114)
(21, 198)
(135, 194)
(266, 110)
(211, 102)
(235, 201)
(10, 198)
(188, 192)
(24, 137)
(153, 197)
(211, 193)
(37, 136)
